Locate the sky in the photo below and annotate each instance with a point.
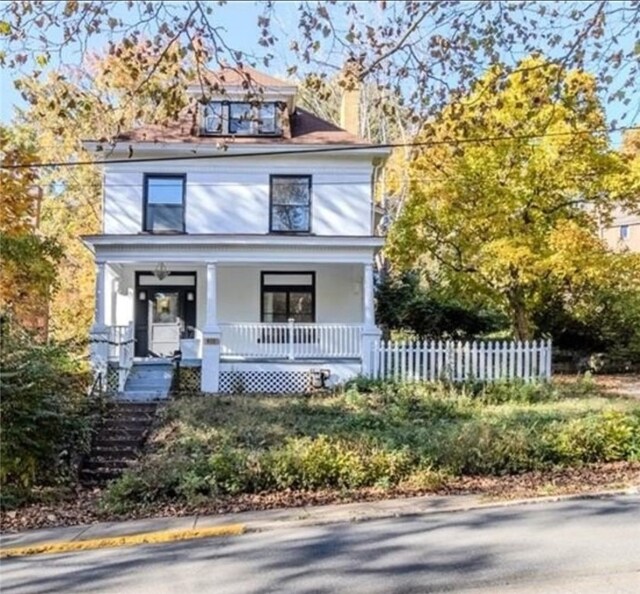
(238, 20)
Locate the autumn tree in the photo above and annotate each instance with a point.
(512, 214)
(66, 108)
(425, 52)
(28, 259)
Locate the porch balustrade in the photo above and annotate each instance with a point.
(121, 349)
(290, 340)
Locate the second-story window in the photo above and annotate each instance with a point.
(624, 232)
(164, 203)
(290, 203)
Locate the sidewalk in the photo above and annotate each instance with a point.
(157, 530)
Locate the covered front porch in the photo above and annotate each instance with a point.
(234, 317)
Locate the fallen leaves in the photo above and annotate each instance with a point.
(82, 507)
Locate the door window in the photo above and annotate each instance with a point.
(165, 308)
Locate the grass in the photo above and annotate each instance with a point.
(374, 435)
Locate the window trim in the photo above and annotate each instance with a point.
(145, 201)
(289, 288)
(306, 231)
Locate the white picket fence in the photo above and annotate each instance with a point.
(461, 361)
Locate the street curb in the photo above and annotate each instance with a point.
(235, 529)
(162, 536)
(266, 526)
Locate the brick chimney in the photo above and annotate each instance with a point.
(350, 107)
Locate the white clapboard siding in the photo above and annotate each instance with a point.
(461, 361)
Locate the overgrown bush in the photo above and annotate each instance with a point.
(404, 303)
(374, 435)
(603, 437)
(45, 425)
(606, 320)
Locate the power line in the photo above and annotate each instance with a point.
(322, 150)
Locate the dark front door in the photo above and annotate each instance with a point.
(164, 315)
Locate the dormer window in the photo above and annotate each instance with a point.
(213, 118)
(241, 118)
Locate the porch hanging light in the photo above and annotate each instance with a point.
(161, 271)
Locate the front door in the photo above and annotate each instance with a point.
(165, 322)
(165, 312)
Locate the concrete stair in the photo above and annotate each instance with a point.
(117, 442)
(148, 380)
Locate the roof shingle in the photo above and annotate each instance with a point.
(305, 128)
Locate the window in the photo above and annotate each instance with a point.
(624, 232)
(241, 118)
(164, 203)
(288, 295)
(214, 118)
(290, 203)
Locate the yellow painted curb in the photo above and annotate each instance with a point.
(123, 541)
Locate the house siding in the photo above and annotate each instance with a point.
(338, 293)
(232, 197)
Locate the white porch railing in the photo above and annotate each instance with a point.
(290, 340)
(117, 337)
(121, 349)
(460, 361)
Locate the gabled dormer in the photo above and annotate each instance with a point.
(245, 103)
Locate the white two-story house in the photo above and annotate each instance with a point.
(240, 236)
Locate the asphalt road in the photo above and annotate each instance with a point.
(573, 546)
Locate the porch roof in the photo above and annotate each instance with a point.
(233, 248)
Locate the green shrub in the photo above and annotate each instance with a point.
(605, 437)
(520, 392)
(322, 462)
(46, 424)
(488, 447)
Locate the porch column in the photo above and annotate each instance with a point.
(370, 333)
(367, 293)
(101, 282)
(211, 335)
(99, 335)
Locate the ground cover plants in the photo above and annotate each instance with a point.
(384, 436)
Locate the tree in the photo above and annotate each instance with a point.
(65, 109)
(28, 259)
(406, 303)
(425, 52)
(510, 219)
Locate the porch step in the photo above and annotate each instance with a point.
(118, 440)
(145, 395)
(148, 380)
(103, 452)
(107, 465)
(131, 408)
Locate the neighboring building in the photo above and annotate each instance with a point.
(256, 266)
(623, 233)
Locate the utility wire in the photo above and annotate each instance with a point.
(322, 150)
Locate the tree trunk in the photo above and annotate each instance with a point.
(520, 322)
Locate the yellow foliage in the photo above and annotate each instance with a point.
(509, 215)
